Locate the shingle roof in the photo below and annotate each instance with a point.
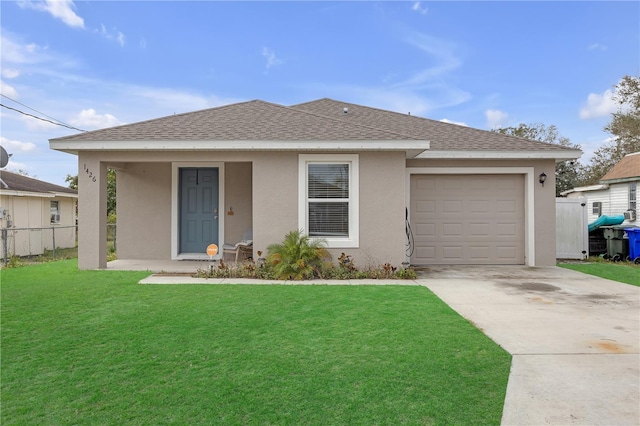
(628, 167)
(443, 136)
(253, 120)
(320, 120)
(16, 182)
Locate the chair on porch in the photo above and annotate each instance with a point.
(243, 248)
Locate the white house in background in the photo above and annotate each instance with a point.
(616, 194)
(30, 210)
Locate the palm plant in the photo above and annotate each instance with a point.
(298, 257)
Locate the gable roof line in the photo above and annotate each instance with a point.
(352, 124)
(256, 101)
(625, 170)
(16, 184)
(430, 120)
(151, 120)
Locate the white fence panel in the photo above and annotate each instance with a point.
(572, 235)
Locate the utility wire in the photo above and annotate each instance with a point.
(35, 110)
(43, 119)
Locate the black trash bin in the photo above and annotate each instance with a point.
(617, 242)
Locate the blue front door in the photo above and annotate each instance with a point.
(198, 209)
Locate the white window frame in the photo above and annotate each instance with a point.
(54, 214)
(353, 240)
(596, 208)
(633, 196)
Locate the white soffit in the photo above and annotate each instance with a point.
(411, 147)
(562, 155)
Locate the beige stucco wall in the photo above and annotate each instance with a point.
(544, 199)
(238, 200)
(262, 188)
(275, 198)
(382, 210)
(381, 207)
(92, 211)
(143, 205)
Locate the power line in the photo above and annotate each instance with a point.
(35, 110)
(42, 119)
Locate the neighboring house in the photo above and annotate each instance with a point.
(347, 173)
(29, 211)
(616, 194)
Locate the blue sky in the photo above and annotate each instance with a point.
(93, 64)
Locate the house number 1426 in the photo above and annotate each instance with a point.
(90, 173)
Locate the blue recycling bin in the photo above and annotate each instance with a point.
(634, 243)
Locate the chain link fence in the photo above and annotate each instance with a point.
(45, 244)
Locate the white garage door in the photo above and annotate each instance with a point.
(467, 219)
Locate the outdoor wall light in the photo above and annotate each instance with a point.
(543, 177)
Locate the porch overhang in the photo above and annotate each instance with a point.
(412, 148)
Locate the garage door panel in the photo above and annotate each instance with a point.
(452, 252)
(479, 253)
(468, 219)
(482, 230)
(425, 206)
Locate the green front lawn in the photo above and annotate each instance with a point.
(617, 271)
(94, 347)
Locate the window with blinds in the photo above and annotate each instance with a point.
(328, 199)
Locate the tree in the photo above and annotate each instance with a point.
(624, 128)
(111, 191)
(567, 172)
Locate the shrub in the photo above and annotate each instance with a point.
(297, 257)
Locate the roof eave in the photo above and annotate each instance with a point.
(621, 180)
(37, 194)
(559, 156)
(585, 189)
(412, 148)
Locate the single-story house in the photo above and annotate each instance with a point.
(616, 193)
(31, 211)
(378, 185)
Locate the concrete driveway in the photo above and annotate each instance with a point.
(574, 339)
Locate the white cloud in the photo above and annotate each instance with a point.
(417, 7)
(37, 125)
(8, 90)
(60, 9)
(16, 146)
(495, 118)
(14, 52)
(598, 105)
(19, 168)
(111, 35)
(419, 93)
(442, 56)
(89, 119)
(459, 123)
(272, 60)
(597, 46)
(10, 73)
(143, 43)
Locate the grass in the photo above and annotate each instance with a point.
(94, 347)
(617, 271)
